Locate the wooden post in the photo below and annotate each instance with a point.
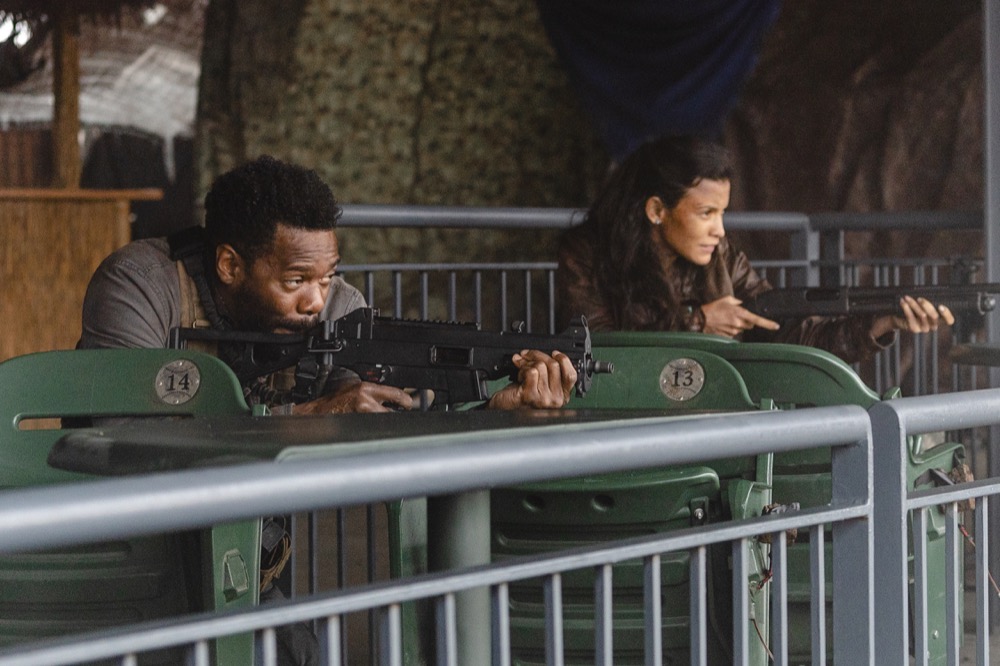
(66, 92)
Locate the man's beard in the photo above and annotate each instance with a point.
(257, 315)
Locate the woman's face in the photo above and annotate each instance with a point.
(693, 228)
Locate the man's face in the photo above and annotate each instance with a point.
(284, 290)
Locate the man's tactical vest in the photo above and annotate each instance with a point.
(198, 311)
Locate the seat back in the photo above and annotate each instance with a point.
(545, 517)
(795, 377)
(101, 585)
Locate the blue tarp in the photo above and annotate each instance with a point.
(645, 68)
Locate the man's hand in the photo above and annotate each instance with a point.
(358, 396)
(726, 317)
(919, 316)
(543, 382)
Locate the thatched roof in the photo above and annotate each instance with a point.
(33, 9)
(138, 72)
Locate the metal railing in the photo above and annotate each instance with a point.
(496, 294)
(876, 525)
(81, 513)
(893, 422)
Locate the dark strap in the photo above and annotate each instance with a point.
(188, 247)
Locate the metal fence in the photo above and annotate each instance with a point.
(893, 422)
(875, 526)
(498, 293)
(81, 513)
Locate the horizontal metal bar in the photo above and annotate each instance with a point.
(156, 503)
(495, 266)
(380, 215)
(464, 217)
(949, 411)
(206, 626)
(916, 220)
(919, 499)
(471, 217)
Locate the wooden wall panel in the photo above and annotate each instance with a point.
(50, 243)
(25, 157)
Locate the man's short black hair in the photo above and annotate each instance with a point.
(245, 205)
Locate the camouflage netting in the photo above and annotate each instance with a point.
(419, 103)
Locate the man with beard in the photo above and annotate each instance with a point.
(265, 261)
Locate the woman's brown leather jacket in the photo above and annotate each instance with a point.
(728, 274)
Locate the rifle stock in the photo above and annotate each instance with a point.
(455, 360)
(832, 301)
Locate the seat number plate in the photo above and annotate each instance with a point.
(177, 382)
(682, 379)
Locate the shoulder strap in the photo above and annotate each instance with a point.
(192, 311)
(187, 248)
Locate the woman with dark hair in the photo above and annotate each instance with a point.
(652, 255)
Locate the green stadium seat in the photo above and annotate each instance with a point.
(543, 517)
(97, 586)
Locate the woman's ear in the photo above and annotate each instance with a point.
(229, 265)
(655, 210)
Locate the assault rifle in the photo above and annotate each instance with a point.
(453, 359)
(780, 304)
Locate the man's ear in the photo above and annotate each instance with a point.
(229, 265)
(655, 210)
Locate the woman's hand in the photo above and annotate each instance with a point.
(726, 316)
(919, 316)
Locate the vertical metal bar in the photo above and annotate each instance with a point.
(269, 647)
(890, 523)
(918, 347)
(551, 276)
(372, 563)
(779, 598)
(392, 636)
(741, 602)
(527, 300)
(455, 519)
(129, 660)
(200, 654)
(991, 234)
(370, 288)
(806, 246)
(983, 589)
(342, 576)
(817, 605)
(935, 339)
(447, 644)
(424, 294)
(313, 552)
(501, 625)
(397, 294)
(921, 650)
(330, 637)
(478, 280)
(699, 607)
(553, 620)
(452, 296)
(952, 583)
(603, 617)
(853, 552)
(654, 610)
(503, 300)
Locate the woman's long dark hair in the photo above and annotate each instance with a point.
(628, 270)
